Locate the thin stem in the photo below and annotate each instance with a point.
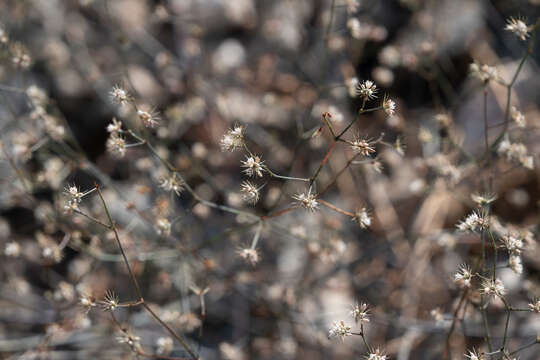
(335, 208)
(113, 228)
(324, 160)
(92, 218)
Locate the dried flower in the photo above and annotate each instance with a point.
(363, 218)
(73, 193)
(514, 262)
(249, 254)
(119, 95)
(516, 152)
(363, 146)
(116, 145)
(389, 106)
(518, 117)
(12, 249)
(164, 345)
(250, 193)
(127, 338)
(377, 354)
(367, 90)
(474, 355)
(518, 27)
(307, 200)
(535, 306)
(339, 329)
(464, 276)
(115, 126)
(483, 199)
(172, 183)
(233, 139)
(149, 118)
(492, 287)
(163, 227)
(110, 301)
(88, 302)
(513, 242)
(360, 313)
(483, 72)
(475, 222)
(253, 165)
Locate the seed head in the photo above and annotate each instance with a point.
(110, 301)
(250, 193)
(363, 146)
(115, 126)
(377, 354)
(119, 95)
(367, 89)
(475, 222)
(339, 329)
(307, 200)
(360, 313)
(535, 306)
(172, 183)
(250, 255)
(116, 145)
(492, 287)
(253, 166)
(475, 355)
(483, 72)
(389, 106)
(149, 118)
(233, 139)
(518, 27)
(362, 217)
(463, 277)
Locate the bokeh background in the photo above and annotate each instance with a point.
(274, 67)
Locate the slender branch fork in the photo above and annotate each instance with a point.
(135, 282)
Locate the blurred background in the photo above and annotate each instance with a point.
(273, 67)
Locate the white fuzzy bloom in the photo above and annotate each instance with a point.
(513, 242)
(483, 199)
(149, 118)
(233, 139)
(116, 145)
(463, 277)
(115, 126)
(492, 287)
(339, 329)
(359, 312)
(249, 254)
(518, 27)
(535, 306)
(172, 183)
(518, 117)
(475, 222)
(119, 95)
(389, 106)
(164, 345)
(367, 90)
(363, 146)
(363, 218)
(514, 261)
(483, 72)
(516, 152)
(352, 86)
(307, 200)
(12, 249)
(377, 354)
(250, 193)
(163, 227)
(253, 166)
(474, 355)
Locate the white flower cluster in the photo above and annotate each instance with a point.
(516, 152)
(475, 222)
